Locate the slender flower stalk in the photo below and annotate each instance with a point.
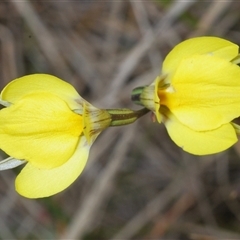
(120, 117)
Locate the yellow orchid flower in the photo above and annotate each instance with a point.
(197, 96)
(46, 124)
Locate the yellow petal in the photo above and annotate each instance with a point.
(40, 83)
(41, 129)
(212, 46)
(33, 182)
(200, 143)
(206, 92)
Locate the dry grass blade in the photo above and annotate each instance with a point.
(152, 209)
(9, 68)
(128, 65)
(44, 37)
(211, 17)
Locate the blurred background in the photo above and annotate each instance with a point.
(137, 184)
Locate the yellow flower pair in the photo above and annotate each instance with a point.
(47, 125)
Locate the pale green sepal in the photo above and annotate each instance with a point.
(236, 127)
(236, 60)
(80, 103)
(147, 96)
(94, 121)
(10, 163)
(4, 103)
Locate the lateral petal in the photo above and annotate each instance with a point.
(34, 83)
(212, 46)
(34, 182)
(200, 143)
(41, 129)
(206, 92)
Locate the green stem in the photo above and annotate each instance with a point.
(125, 116)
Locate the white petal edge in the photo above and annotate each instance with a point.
(10, 163)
